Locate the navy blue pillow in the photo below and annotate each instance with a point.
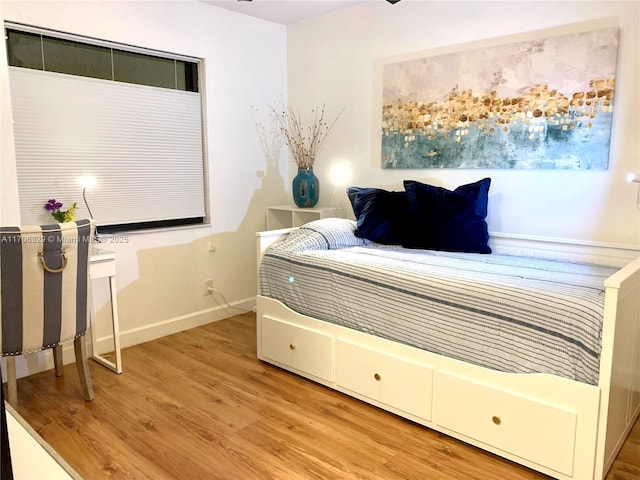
(453, 221)
(381, 216)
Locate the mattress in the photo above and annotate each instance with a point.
(508, 313)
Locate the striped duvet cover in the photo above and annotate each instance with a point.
(508, 313)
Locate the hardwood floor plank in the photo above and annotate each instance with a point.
(199, 405)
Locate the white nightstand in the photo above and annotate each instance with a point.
(286, 216)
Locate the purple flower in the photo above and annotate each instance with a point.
(52, 205)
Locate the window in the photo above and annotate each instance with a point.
(129, 118)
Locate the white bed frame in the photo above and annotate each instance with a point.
(560, 427)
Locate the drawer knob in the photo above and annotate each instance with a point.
(292, 346)
(378, 377)
(496, 420)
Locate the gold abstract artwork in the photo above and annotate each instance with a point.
(540, 104)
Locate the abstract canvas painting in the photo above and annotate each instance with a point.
(546, 103)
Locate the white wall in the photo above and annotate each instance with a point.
(335, 59)
(160, 275)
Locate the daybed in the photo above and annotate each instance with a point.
(531, 352)
(569, 428)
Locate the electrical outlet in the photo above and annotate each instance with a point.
(208, 286)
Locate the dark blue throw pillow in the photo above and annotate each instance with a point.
(381, 216)
(453, 221)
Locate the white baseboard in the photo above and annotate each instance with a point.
(146, 333)
(39, 362)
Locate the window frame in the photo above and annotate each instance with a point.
(198, 65)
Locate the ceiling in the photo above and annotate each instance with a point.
(285, 12)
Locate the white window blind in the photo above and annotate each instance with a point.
(141, 144)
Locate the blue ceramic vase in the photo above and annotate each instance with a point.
(305, 188)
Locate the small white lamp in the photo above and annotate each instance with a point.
(87, 183)
(633, 177)
(341, 173)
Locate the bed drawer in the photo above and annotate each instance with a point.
(303, 349)
(539, 432)
(392, 380)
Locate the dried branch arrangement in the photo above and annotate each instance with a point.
(304, 142)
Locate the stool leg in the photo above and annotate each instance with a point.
(12, 385)
(83, 368)
(57, 360)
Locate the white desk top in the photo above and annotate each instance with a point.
(100, 255)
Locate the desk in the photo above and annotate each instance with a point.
(102, 264)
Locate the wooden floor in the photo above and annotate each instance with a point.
(199, 405)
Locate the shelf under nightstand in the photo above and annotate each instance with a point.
(287, 216)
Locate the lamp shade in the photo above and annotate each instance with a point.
(633, 177)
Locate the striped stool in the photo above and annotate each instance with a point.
(44, 275)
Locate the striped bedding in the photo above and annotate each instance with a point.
(508, 313)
